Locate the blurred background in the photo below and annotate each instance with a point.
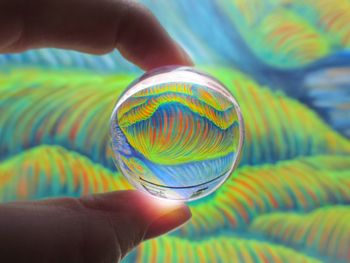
(288, 64)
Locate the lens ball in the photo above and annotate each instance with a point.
(177, 133)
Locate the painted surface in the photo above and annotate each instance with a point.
(287, 62)
(178, 138)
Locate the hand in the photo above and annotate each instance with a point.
(92, 26)
(99, 228)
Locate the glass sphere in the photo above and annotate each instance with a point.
(176, 133)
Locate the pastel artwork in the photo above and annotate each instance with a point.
(177, 133)
(287, 64)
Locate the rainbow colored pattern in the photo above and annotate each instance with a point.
(176, 140)
(287, 63)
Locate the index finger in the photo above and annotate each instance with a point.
(92, 26)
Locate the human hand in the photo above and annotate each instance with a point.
(92, 26)
(99, 228)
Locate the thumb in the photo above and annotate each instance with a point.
(97, 228)
(136, 217)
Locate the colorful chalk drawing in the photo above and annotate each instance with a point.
(287, 63)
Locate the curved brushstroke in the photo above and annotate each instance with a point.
(71, 115)
(291, 207)
(298, 185)
(49, 171)
(174, 133)
(74, 112)
(220, 249)
(326, 230)
(176, 140)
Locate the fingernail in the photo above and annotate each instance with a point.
(168, 222)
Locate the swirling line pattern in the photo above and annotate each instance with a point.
(326, 230)
(181, 139)
(278, 43)
(247, 202)
(216, 109)
(310, 29)
(221, 249)
(278, 130)
(288, 202)
(333, 18)
(159, 144)
(288, 39)
(297, 185)
(290, 33)
(50, 170)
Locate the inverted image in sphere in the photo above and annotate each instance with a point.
(176, 133)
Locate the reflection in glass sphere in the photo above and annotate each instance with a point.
(176, 133)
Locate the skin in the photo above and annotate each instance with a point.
(96, 228)
(92, 26)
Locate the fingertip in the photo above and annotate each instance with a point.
(168, 222)
(134, 216)
(172, 55)
(133, 203)
(185, 57)
(152, 216)
(151, 58)
(96, 27)
(142, 40)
